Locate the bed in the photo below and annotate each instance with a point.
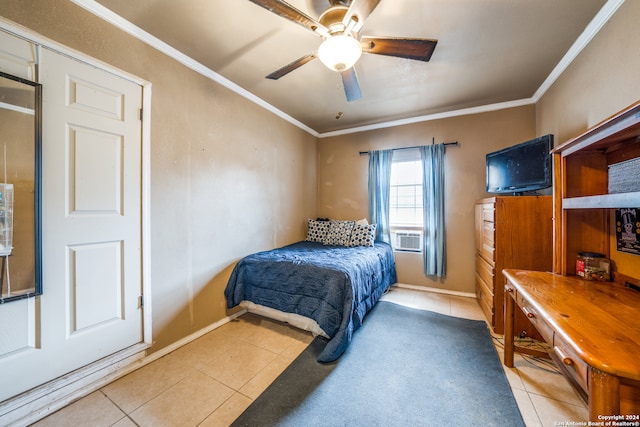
(331, 286)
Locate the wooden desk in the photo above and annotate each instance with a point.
(593, 329)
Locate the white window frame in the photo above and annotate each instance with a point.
(403, 156)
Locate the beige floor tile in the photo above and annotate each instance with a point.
(297, 347)
(527, 410)
(228, 411)
(142, 385)
(551, 411)
(242, 327)
(239, 365)
(125, 422)
(276, 336)
(544, 382)
(256, 385)
(439, 303)
(513, 374)
(515, 382)
(466, 307)
(205, 349)
(94, 410)
(187, 403)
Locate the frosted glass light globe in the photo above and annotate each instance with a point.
(339, 53)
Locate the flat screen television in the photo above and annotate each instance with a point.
(520, 168)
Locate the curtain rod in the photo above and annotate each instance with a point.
(455, 144)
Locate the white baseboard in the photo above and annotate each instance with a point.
(37, 403)
(436, 290)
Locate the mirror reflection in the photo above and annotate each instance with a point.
(20, 123)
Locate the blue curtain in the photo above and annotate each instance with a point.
(379, 189)
(433, 202)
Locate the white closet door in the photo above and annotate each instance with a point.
(91, 222)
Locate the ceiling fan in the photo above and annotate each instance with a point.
(342, 45)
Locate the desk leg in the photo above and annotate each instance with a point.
(508, 326)
(604, 394)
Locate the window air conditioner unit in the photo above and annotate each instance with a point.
(410, 241)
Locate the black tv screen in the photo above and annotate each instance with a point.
(520, 168)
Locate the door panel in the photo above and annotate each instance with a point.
(95, 162)
(94, 98)
(95, 287)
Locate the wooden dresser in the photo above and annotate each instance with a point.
(510, 232)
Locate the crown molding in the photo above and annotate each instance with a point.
(596, 24)
(137, 32)
(429, 117)
(601, 18)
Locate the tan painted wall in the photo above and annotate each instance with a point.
(602, 80)
(228, 178)
(342, 180)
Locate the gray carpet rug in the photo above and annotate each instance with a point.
(404, 367)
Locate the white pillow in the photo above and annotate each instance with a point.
(362, 221)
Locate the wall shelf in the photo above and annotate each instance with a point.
(582, 203)
(604, 201)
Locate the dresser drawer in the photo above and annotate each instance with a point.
(489, 212)
(482, 288)
(487, 287)
(487, 246)
(485, 300)
(570, 362)
(488, 233)
(486, 272)
(536, 320)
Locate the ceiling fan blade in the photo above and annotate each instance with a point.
(358, 12)
(292, 66)
(418, 49)
(285, 10)
(350, 83)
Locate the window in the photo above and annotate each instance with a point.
(405, 207)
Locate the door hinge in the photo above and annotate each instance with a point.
(141, 114)
(141, 301)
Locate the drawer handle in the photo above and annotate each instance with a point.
(530, 314)
(565, 359)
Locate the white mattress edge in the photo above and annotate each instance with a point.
(293, 319)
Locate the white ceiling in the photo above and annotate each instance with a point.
(488, 52)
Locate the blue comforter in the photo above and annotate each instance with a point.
(333, 285)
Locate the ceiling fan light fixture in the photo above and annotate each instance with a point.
(339, 52)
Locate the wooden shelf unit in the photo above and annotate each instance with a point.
(592, 326)
(581, 200)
